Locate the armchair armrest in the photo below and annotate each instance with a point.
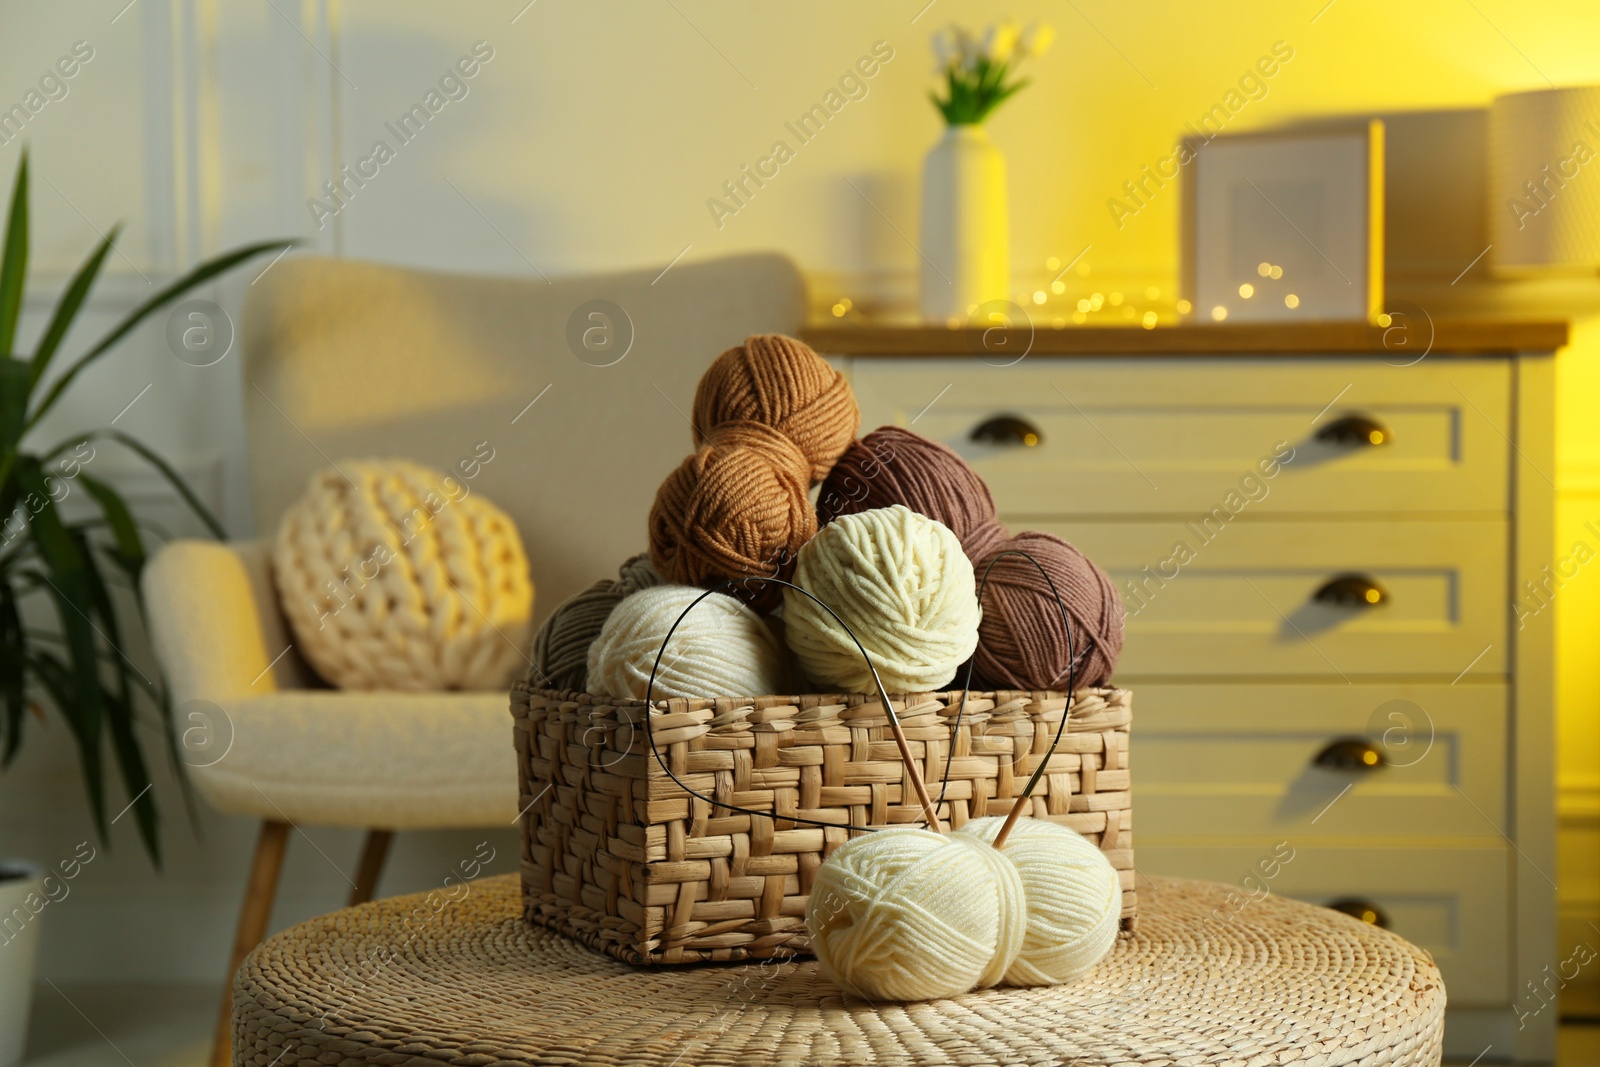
(215, 624)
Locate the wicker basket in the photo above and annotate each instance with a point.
(618, 855)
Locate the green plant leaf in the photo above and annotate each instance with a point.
(13, 407)
(68, 307)
(153, 458)
(58, 682)
(14, 264)
(120, 707)
(204, 272)
(13, 672)
(130, 546)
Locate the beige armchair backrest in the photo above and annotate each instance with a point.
(349, 359)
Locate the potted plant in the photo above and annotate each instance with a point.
(72, 565)
(965, 243)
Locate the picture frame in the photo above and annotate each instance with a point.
(1284, 225)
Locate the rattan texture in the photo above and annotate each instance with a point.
(422, 980)
(618, 855)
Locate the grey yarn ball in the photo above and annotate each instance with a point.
(561, 648)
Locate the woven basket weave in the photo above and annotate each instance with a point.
(618, 855)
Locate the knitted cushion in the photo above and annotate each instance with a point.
(395, 576)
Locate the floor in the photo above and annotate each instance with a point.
(170, 1026)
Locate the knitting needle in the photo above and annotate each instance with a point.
(912, 769)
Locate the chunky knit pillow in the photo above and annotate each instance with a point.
(395, 576)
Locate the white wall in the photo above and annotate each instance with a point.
(592, 140)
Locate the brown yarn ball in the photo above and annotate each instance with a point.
(781, 382)
(738, 509)
(560, 654)
(1022, 641)
(895, 466)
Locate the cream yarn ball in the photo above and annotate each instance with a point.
(1074, 899)
(908, 914)
(901, 582)
(721, 649)
(395, 576)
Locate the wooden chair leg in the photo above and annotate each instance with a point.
(373, 852)
(254, 915)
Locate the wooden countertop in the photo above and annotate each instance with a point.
(1455, 337)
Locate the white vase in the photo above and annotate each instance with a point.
(19, 946)
(965, 246)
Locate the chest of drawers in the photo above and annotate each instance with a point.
(1321, 544)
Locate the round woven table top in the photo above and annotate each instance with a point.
(1208, 979)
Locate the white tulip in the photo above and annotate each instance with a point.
(966, 46)
(944, 51)
(1036, 40)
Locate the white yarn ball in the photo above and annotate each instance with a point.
(395, 576)
(721, 649)
(901, 582)
(1074, 899)
(908, 914)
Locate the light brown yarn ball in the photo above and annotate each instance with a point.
(561, 647)
(1022, 639)
(782, 383)
(395, 576)
(737, 510)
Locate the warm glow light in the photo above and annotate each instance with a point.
(1369, 757)
(1149, 320)
(1079, 317)
(1083, 305)
(1058, 287)
(953, 322)
(1276, 273)
(1096, 301)
(1184, 307)
(1129, 312)
(1264, 269)
(1219, 313)
(839, 310)
(1053, 263)
(1115, 299)
(1083, 269)
(1153, 293)
(1038, 296)
(1247, 290)
(1376, 437)
(1291, 301)
(1384, 319)
(1058, 322)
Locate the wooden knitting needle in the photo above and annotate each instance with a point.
(919, 786)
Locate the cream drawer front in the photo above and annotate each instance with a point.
(1177, 436)
(1450, 901)
(1240, 761)
(1245, 602)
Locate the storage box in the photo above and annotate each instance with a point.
(618, 855)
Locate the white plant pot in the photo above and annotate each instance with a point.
(19, 946)
(965, 246)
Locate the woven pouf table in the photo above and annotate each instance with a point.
(1207, 979)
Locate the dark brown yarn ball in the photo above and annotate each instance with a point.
(781, 382)
(1022, 641)
(895, 466)
(738, 509)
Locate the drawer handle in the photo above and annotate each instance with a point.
(1009, 430)
(1350, 754)
(1352, 591)
(1365, 910)
(1356, 431)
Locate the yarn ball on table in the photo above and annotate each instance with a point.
(560, 650)
(908, 914)
(1074, 899)
(396, 576)
(1024, 640)
(737, 510)
(892, 465)
(901, 583)
(780, 382)
(720, 649)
